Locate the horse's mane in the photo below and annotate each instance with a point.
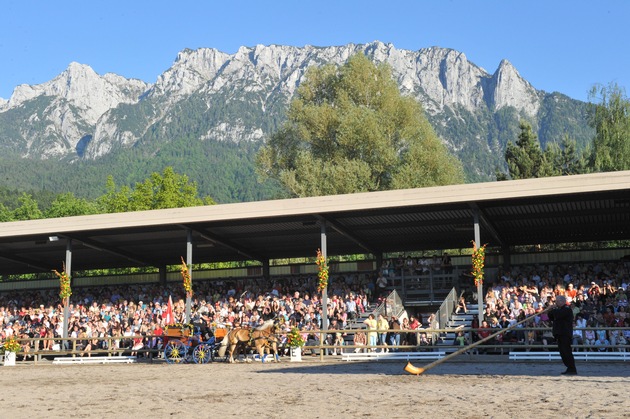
(266, 325)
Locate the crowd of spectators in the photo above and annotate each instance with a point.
(123, 312)
(133, 314)
(597, 294)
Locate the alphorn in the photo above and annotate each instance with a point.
(411, 369)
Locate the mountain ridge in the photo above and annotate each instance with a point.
(212, 96)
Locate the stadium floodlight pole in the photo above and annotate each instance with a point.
(419, 370)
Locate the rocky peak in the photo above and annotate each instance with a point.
(80, 85)
(191, 69)
(508, 88)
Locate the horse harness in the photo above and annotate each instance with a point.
(266, 335)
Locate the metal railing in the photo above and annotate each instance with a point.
(435, 338)
(392, 305)
(426, 288)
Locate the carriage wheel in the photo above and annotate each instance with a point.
(202, 354)
(175, 352)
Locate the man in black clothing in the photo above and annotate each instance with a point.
(562, 318)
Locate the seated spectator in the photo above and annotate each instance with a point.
(461, 306)
(460, 340)
(312, 339)
(138, 343)
(601, 342)
(578, 338)
(590, 336)
(547, 336)
(360, 340)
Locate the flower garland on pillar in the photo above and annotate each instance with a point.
(478, 261)
(322, 275)
(186, 278)
(64, 284)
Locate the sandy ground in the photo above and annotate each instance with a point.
(314, 389)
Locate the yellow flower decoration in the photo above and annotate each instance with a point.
(294, 338)
(64, 283)
(11, 345)
(322, 275)
(478, 261)
(186, 278)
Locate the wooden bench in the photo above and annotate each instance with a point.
(389, 356)
(94, 360)
(579, 356)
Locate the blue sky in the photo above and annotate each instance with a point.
(557, 45)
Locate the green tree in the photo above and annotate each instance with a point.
(166, 190)
(611, 121)
(564, 159)
(114, 200)
(27, 209)
(66, 205)
(348, 129)
(525, 159)
(5, 214)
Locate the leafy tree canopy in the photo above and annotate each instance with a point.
(166, 190)
(611, 120)
(525, 159)
(348, 130)
(68, 205)
(28, 209)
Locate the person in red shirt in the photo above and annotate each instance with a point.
(571, 293)
(483, 332)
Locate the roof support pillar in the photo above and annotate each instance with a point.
(189, 261)
(379, 261)
(66, 301)
(266, 270)
(162, 274)
(480, 283)
(323, 248)
(507, 257)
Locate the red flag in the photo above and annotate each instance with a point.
(169, 317)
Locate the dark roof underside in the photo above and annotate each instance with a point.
(538, 211)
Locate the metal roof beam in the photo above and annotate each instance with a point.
(26, 262)
(211, 237)
(111, 250)
(577, 212)
(486, 224)
(346, 233)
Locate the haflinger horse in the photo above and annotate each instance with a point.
(262, 338)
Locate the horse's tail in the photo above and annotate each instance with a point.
(223, 346)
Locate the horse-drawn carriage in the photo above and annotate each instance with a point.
(183, 342)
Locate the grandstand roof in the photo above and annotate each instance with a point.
(578, 208)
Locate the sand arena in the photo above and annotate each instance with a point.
(459, 388)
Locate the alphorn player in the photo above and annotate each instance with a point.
(562, 318)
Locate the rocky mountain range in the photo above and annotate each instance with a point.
(210, 97)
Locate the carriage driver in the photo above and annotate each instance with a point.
(202, 323)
